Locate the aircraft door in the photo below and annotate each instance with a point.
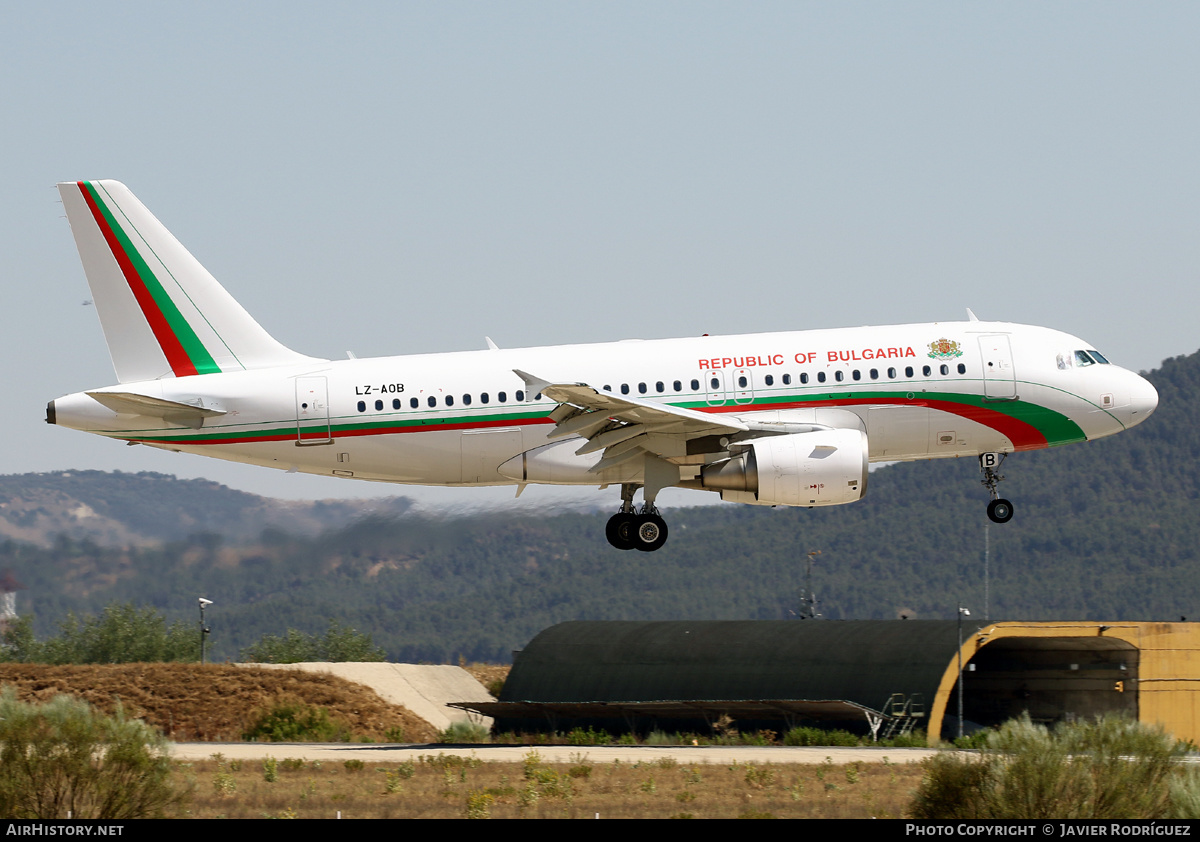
(715, 383)
(312, 412)
(743, 386)
(999, 376)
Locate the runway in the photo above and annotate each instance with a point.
(378, 753)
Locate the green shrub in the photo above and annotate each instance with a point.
(1110, 768)
(810, 736)
(295, 722)
(588, 737)
(913, 739)
(464, 732)
(64, 757)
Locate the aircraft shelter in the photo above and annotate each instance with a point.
(886, 676)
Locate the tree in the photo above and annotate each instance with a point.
(121, 634)
(339, 644)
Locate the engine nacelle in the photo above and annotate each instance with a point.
(821, 468)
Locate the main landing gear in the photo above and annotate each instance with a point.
(631, 529)
(999, 510)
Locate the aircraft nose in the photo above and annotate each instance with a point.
(1143, 400)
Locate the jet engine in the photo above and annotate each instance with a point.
(819, 468)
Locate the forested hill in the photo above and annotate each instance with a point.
(119, 509)
(1104, 530)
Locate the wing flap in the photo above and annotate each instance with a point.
(624, 427)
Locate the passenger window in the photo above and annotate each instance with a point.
(466, 400)
(874, 374)
(641, 388)
(769, 380)
(362, 406)
(839, 376)
(856, 374)
(449, 400)
(716, 384)
(624, 388)
(742, 382)
(908, 371)
(395, 403)
(659, 387)
(804, 377)
(944, 369)
(483, 397)
(787, 380)
(891, 374)
(414, 403)
(432, 400)
(962, 369)
(520, 395)
(608, 388)
(502, 397)
(926, 370)
(378, 405)
(678, 384)
(820, 377)
(695, 385)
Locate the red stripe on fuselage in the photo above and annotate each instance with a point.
(176, 356)
(1022, 434)
(320, 434)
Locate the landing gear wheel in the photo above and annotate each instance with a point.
(649, 532)
(1000, 511)
(619, 530)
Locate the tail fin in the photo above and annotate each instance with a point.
(163, 314)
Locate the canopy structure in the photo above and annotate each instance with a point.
(881, 675)
(681, 674)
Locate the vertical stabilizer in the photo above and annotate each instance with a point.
(162, 313)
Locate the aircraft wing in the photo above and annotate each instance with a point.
(624, 427)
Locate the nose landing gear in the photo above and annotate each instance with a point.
(999, 510)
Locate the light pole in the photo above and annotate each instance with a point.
(808, 603)
(204, 603)
(962, 612)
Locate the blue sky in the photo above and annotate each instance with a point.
(388, 178)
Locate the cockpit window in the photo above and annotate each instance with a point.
(1081, 359)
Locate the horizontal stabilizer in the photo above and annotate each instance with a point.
(128, 403)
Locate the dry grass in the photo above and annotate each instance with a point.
(491, 676)
(216, 702)
(447, 787)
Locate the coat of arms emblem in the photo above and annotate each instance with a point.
(944, 349)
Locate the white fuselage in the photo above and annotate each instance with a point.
(917, 391)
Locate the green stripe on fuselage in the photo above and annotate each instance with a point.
(1054, 426)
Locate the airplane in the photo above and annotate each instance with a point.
(774, 419)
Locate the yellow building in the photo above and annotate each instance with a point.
(1062, 670)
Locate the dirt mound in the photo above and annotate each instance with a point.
(215, 702)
